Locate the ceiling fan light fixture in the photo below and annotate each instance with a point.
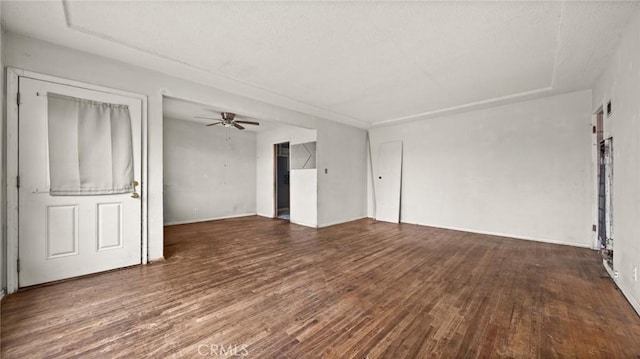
(228, 120)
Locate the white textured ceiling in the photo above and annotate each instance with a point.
(362, 63)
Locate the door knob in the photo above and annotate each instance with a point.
(135, 194)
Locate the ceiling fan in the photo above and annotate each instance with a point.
(228, 120)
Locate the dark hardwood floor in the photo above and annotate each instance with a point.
(264, 288)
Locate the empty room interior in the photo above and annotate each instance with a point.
(320, 179)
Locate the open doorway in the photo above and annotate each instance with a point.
(281, 171)
(605, 184)
(605, 213)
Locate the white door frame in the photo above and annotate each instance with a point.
(12, 163)
(595, 153)
(275, 178)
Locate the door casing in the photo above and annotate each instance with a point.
(275, 177)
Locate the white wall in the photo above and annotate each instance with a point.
(302, 211)
(207, 176)
(620, 83)
(39, 56)
(304, 197)
(342, 190)
(521, 170)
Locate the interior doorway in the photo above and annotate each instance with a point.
(605, 213)
(282, 180)
(605, 183)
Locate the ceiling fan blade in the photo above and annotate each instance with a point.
(248, 122)
(213, 124)
(237, 126)
(207, 118)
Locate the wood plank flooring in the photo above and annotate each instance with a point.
(263, 288)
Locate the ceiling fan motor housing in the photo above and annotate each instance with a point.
(228, 116)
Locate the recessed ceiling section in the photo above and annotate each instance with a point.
(354, 58)
(190, 111)
(184, 110)
(373, 62)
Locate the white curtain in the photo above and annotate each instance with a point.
(90, 147)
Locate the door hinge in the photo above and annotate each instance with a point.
(18, 265)
(18, 181)
(594, 228)
(18, 99)
(594, 129)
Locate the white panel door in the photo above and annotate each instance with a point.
(388, 181)
(67, 236)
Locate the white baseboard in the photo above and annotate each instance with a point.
(290, 220)
(610, 270)
(2, 294)
(315, 225)
(627, 294)
(303, 224)
(328, 224)
(506, 235)
(159, 259)
(208, 219)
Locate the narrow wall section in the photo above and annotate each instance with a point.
(342, 173)
(620, 84)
